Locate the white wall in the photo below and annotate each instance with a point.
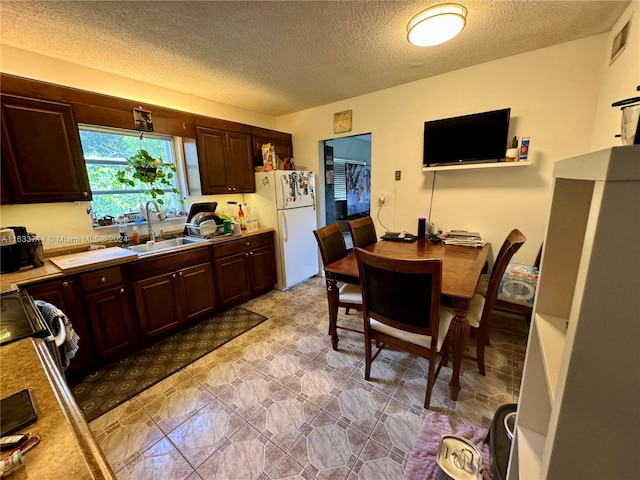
(64, 224)
(552, 93)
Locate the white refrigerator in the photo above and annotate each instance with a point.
(285, 200)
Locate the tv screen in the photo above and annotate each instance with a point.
(479, 137)
(358, 186)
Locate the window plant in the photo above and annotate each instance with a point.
(154, 174)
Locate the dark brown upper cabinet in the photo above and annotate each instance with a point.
(42, 157)
(224, 161)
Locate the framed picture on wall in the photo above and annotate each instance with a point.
(342, 122)
(619, 42)
(142, 120)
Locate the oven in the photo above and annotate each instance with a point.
(20, 318)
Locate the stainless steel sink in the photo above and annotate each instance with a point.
(153, 247)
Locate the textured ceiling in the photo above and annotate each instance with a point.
(279, 57)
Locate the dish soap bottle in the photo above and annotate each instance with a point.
(241, 218)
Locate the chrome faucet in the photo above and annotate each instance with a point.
(152, 235)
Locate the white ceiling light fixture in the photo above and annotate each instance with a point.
(436, 24)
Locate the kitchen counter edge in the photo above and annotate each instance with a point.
(49, 271)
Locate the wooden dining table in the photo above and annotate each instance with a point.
(461, 269)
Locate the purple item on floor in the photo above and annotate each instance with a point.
(421, 463)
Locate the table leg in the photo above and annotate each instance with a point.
(333, 297)
(458, 335)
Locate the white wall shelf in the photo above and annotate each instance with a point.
(467, 166)
(578, 406)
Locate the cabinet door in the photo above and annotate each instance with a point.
(212, 160)
(197, 293)
(234, 284)
(66, 295)
(41, 152)
(241, 176)
(157, 305)
(263, 263)
(113, 322)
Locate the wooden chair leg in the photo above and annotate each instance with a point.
(480, 345)
(430, 381)
(367, 358)
(346, 310)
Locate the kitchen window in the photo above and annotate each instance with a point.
(105, 153)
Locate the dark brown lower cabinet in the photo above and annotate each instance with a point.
(113, 322)
(245, 268)
(67, 296)
(173, 290)
(110, 310)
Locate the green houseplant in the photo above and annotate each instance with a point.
(154, 174)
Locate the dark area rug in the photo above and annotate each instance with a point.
(105, 389)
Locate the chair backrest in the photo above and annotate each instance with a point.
(363, 232)
(511, 245)
(331, 243)
(401, 293)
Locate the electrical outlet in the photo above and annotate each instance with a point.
(382, 200)
(398, 174)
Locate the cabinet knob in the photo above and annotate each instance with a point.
(180, 273)
(122, 290)
(234, 189)
(85, 194)
(103, 279)
(246, 254)
(251, 252)
(248, 243)
(229, 188)
(173, 276)
(65, 284)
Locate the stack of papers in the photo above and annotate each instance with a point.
(466, 239)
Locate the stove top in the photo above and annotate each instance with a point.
(19, 318)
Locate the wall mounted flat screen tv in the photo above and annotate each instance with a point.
(479, 137)
(358, 187)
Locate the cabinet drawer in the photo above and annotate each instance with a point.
(103, 278)
(172, 262)
(242, 245)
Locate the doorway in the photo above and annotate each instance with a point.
(347, 166)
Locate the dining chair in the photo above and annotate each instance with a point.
(363, 232)
(484, 299)
(332, 248)
(401, 300)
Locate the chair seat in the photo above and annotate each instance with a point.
(446, 316)
(474, 315)
(350, 293)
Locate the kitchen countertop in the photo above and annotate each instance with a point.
(67, 447)
(49, 271)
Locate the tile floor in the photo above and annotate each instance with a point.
(278, 402)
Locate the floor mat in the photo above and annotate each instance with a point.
(105, 389)
(421, 462)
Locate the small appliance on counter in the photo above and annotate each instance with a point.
(19, 249)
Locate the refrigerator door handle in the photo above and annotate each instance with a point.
(285, 227)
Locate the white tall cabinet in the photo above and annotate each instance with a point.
(579, 408)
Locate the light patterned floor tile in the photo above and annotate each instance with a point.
(377, 463)
(289, 469)
(284, 418)
(162, 460)
(199, 436)
(110, 419)
(328, 448)
(217, 374)
(284, 367)
(398, 427)
(247, 454)
(250, 393)
(384, 375)
(127, 438)
(317, 383)
(412, 388)
(357, 404)
(178, 404)
(162, 388)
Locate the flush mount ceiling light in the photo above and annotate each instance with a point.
(436, 25)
